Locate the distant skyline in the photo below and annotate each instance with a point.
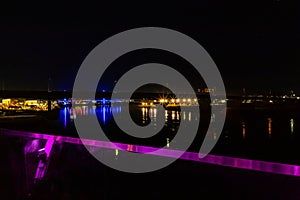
(256, 45)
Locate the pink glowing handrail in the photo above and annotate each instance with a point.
(262, 166)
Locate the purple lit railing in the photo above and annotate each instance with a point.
(262, 166)
(42, 166)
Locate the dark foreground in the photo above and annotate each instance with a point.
(75, 174)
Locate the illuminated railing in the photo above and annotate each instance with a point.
(262, 166)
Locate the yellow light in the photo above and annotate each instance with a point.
(177, 100)
(195, 99)
(166, 115)
(166, 100)
(215, 136)
(244, 129)
(117, 152)
(161, 100)
(173, 115)
(269, 126)
(292, 125)
(184, 100)
(173, 100)
(189, 100)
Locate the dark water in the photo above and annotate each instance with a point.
(255, 134)
(73, 173)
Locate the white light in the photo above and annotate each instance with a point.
(168, 142)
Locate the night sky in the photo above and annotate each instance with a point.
(255, 44)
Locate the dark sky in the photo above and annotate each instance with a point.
(255, 44)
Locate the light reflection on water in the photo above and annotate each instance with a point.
(269, 126)
(142, 116)
(244, 130)
(105, 114)
(243, 133)
(292, 125)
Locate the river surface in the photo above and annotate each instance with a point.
(73, 173)
(255, 134)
